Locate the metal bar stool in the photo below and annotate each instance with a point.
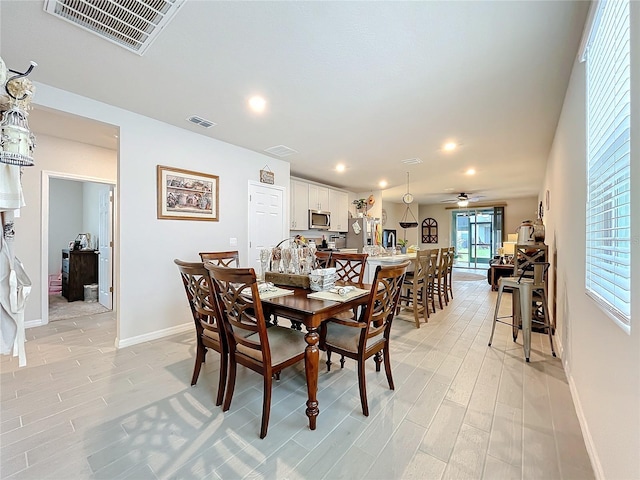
(526, 290)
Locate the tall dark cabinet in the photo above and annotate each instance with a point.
(79, 268)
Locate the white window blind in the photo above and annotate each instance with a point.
(608, 242)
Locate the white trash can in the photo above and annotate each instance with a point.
(91, 292)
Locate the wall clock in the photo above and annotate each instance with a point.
(407, 198)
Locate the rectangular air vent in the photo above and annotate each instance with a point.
(280, 150)
(201, 121)
(411, 161)
(131, 24)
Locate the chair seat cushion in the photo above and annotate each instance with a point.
(211, 335)
(284, 343)
(347, 338)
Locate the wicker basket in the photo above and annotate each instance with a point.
(322, 279)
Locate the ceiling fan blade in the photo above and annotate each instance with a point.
(449, 201)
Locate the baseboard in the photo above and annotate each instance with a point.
(586, 434)
(34, 323)
(147, 337)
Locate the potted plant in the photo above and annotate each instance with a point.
(361, 206)
(403, 245)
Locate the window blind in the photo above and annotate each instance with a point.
(608, 240)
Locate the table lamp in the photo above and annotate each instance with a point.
(509, 249)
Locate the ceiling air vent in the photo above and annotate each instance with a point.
(280, 150)
(201, 121)
(131, 24)
(411, 161)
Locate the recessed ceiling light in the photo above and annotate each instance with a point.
(449, 146)
(340, 167)
(471, 171)
(383, 183)
(257, 104)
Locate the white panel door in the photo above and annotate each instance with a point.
(267, 220)
(105, 276)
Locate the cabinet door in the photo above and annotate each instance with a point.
(299, 202)
(339, 208)
(318, 197)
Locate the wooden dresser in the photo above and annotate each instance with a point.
(79, 268)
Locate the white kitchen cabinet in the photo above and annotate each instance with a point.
(318, 197)
(339, 208)
(299, 205)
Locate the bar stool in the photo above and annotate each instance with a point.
(526, 291)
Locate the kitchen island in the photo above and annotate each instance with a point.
(375, 260)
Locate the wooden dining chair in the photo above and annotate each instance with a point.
(350, 267)
(413, 294)
(224, 259)
(197, 286)
(451, 256)
(369, 336)
(322, 260)
(266, 351)
(440, 282)
(431, 277)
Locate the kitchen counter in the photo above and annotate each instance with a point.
(374, 261)
(390, 259)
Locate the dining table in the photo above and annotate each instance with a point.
(311, 312)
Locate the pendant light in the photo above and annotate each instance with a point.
(407, 199)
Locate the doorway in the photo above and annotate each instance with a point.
(74, 205)
(267, 221)
(476, 234)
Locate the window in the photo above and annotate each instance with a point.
(608, 242)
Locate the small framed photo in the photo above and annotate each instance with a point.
(187, 195)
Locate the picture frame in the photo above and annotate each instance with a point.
(267, 176)
(546, 199)
(187, 195)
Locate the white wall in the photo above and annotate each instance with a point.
(65, 221)
(602, 361)
(149, 299)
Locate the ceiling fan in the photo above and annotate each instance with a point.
(463, 199)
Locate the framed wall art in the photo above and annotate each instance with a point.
(187, 195)
(429, 230)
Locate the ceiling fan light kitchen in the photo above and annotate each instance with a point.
(463, 203)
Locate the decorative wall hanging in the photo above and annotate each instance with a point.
(267, 176)
(187, 195)
(429, 230)
(16, 140)
(16, 151)
(407, 199)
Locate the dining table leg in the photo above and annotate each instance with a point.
(311, 360)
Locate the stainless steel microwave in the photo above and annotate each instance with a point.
(319, 220)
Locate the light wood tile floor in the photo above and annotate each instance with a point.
(83, 409)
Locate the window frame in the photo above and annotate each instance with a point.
(612, 146)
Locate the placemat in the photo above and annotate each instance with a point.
(272, 292)
(336, 297)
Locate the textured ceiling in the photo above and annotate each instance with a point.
(368, 84)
